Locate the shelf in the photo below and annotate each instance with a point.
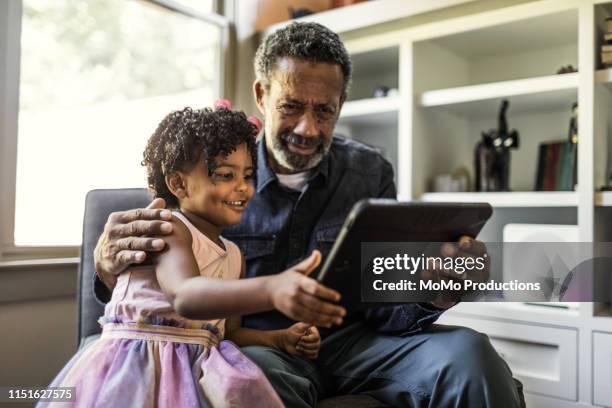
(518, 312)
(370, 13)
(374, 111)
(375, 63)
(546, 93)
(509, 199)
(604, 77)
(374, 69)
(550, 30)
(603, 199)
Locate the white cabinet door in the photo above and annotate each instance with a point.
(602, 369)
(544, 359)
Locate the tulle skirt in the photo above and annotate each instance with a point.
(162, 365)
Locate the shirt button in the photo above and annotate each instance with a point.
(296, 245)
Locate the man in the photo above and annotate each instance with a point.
(307, 181)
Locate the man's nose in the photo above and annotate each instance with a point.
(307, 126)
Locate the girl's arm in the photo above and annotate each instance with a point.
(199, 297)
(243, 336)
(287, 340)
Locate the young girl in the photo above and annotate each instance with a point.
(161, 344)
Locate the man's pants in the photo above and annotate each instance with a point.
(444, 366)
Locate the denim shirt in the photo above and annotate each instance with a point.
(280, 227)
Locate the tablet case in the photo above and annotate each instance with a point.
(385, 220)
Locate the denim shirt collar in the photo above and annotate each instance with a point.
(265, 175)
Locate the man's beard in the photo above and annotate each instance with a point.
(294, 161)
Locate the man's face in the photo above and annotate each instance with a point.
(301, 107)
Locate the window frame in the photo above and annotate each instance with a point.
(11, 13)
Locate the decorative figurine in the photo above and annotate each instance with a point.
(485, 162)
(492, 155)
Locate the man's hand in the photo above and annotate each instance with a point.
(466, 247)
(301, 339)
(302, 298)
(126, 239)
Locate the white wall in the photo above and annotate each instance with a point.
(38, 322)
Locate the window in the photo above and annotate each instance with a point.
(203, 6)
(95, 79)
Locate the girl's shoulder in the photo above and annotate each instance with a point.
(181, 231)
(181, 227)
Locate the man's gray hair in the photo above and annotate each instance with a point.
(304, 41)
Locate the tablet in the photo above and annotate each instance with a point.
(385, 220)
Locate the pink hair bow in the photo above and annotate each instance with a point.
(256, 122)
(222, 103)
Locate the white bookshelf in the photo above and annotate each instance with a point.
(452, 67)
(509, 199)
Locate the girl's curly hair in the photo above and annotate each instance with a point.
(186, 136)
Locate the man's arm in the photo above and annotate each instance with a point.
(387, 184)
(126, 239)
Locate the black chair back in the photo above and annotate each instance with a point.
(99, 204)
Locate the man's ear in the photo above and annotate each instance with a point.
(259, 91)
(176, 183)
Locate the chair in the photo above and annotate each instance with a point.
(99, 204)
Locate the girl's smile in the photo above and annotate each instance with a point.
(237, 205)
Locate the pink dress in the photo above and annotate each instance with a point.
(149, 356)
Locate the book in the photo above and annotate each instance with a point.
(573, 180)
(564, 170)
(606, 48)
(552, 163)
(556, 166)
(609, 24)
(559, 182)
(551, 167)
(606, 58)
(608, 36)
(539, 185)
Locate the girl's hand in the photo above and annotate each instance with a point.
(310, 343)
(301, 339)
(302, 298)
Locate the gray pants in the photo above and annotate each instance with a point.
(444, 366)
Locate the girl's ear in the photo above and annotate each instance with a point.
(176, 184)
